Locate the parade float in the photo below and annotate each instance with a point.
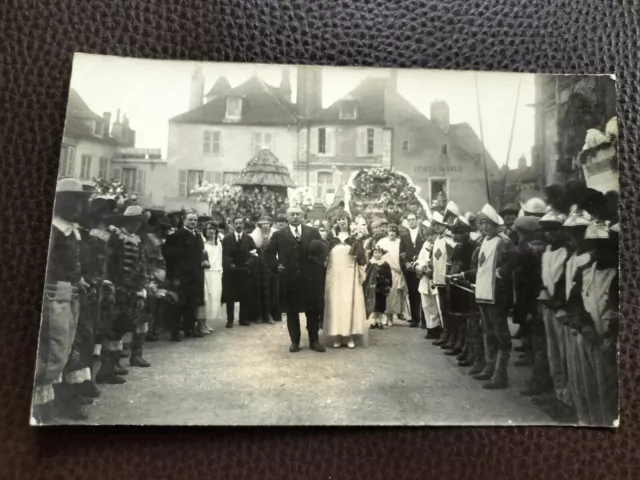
(378, 193)
(599, 158)
(264, 187)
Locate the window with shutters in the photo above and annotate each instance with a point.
(234, 109)
(129, 179)
(140, 174)
(324, 184)
(367, 141)
(103, 167)
(67, 161)
(322, 140)
(194, 178)
(260, 140)
(85, 167)
(211, 142)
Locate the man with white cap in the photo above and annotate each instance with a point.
(60, 308)
(442, 248)
(451, 213)
(494, 294)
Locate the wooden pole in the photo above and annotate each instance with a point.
(513, 126)
(484, 159)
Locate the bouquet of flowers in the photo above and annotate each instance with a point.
(385, 190)
(115, 190)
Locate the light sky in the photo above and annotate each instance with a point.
(150, 92)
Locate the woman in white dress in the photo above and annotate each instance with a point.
(213, 275)
(344, 310)
(396, 300)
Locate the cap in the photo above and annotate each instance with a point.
(597, 231)
(451, 209)
(534, 207)
(281, 217)
(489, 213)
(71, 185)
(554, 217)
(577, 218)
(510, 208)
(461, 225)
(437, 217)
(527, 224)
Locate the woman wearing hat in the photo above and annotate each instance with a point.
(212, 275)
(61, 305)
(397, 299)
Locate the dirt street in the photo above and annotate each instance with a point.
(246, 376)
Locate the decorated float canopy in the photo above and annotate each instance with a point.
(265, 170)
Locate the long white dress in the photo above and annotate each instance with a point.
(213, 282)
(344, 306)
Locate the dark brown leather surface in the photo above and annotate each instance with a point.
(37, 40)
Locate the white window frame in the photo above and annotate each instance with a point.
(438, 179)
(67, 161)
(343, 114)
(85, 167)
(322, 189)
(260, 140)
(103, 167)
(129, 183)
(211, 142)
(362, 139)
(230, 115)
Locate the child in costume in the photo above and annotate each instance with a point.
(377, 284)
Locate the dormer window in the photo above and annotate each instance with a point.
(234, 109)
(98, 128)
(348, 110)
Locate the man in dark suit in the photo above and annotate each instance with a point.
(238, 251)
(288, 253)
(186, 260)
(410, 245)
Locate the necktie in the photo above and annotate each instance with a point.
(297, 234)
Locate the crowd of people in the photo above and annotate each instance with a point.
(118, 280)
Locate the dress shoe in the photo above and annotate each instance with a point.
(120, 370)
(138, 361)
(109, 379)
(229, 324)
(245, 324)
(496, 384)
(465, 363)
(351, 343)
(453, 351)
(88, 389)
(317, 347)
(294, 348)
(337, 344)
(373, 326)
(476, 369)
(483, 376)
(176, 337)
(414, 325)
(431, 334)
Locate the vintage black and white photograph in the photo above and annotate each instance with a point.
(251, 244)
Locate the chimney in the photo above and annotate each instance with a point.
(309, 91)
(107, 124)
(522, 162)
(196, 93)
(285, 84)
(440, 114)
(116, 130)
(392, 84)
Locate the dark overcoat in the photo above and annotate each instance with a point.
(184, 253)
(301, 278)
(236, 268)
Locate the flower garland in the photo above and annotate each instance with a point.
(383, 192)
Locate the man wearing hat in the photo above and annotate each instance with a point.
(451, 213)
(460, 300)
(61, 305)
(88, 339)
(442, 248)
(127, 270)
(528, 284)
(493, 279)
(597, 343)
(509, 214)
(288, 253)
(160, 227)
(428, 292)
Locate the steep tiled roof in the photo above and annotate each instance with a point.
(369, 100)
(262, 105)
(79, 122)
(466, 138)
(220, 87)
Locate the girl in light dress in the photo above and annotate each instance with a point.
(396, 300)
(212, 275)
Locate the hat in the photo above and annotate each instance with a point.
(510, 208)
(615, 228)
(461, 225)
(577, 218)
(205, 218)
(527, 224)
(471, 217)
(102, 205)
(426, 223)
(265, 218)
(437, 217)
(554, 217)
(451, 209)
(489, 213)
(294, 209)
(71, 185)
(535, 207)
(281, 217)
(317, 248)
(597, 231)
